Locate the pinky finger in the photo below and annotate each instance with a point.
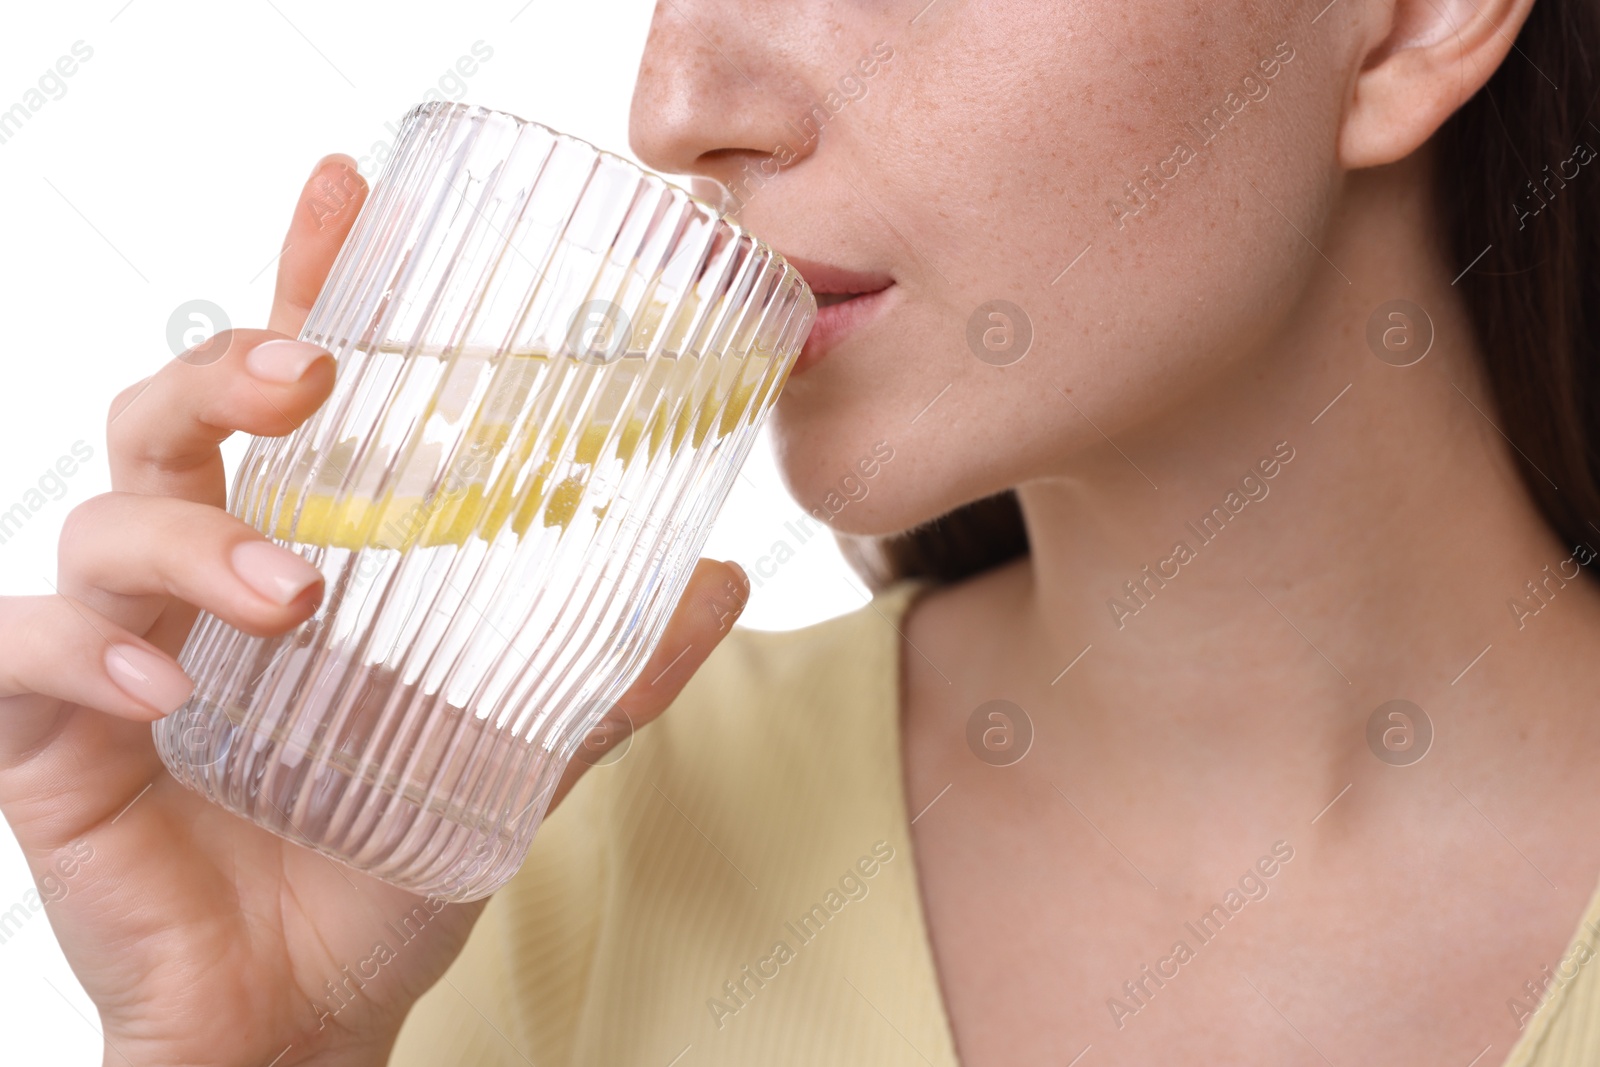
(60, 647)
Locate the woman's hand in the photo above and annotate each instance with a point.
(201, 938)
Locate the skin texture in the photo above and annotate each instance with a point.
(200, 937)
(1170, 355)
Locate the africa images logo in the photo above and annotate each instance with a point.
(1141, 589)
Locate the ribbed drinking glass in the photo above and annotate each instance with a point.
(551, 365)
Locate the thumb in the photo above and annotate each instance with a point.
(329, 202)
(705, 614)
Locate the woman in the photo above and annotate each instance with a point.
(1238, 709)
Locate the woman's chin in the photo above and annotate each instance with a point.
(880, 512)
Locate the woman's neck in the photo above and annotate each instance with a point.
(1316, 534)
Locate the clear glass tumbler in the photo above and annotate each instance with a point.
(551, 366)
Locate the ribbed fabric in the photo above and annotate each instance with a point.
(664, 874)
(769, 791)
(1566, 1028)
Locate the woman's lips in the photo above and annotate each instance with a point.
(837, 321)
(846, 300)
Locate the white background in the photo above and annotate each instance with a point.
(167, 172)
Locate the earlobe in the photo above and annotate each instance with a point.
(1434, 55)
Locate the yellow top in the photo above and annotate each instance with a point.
(738, 888)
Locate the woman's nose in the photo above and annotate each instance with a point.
(712, 88)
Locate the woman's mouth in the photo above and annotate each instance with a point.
(846, 300)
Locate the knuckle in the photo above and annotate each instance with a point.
(173, 520)
(124, 397)
(139, 520)
(211, 349)
(80, 524)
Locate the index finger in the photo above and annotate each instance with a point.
(327, 208)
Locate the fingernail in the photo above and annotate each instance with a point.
(276, 573)
(741, 588)
(147, 678)
(342, 157)
(282, 360)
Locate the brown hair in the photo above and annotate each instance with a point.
(1532, 236)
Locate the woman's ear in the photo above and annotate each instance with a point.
(1426, 60)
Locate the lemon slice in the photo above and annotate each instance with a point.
(483, 507)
